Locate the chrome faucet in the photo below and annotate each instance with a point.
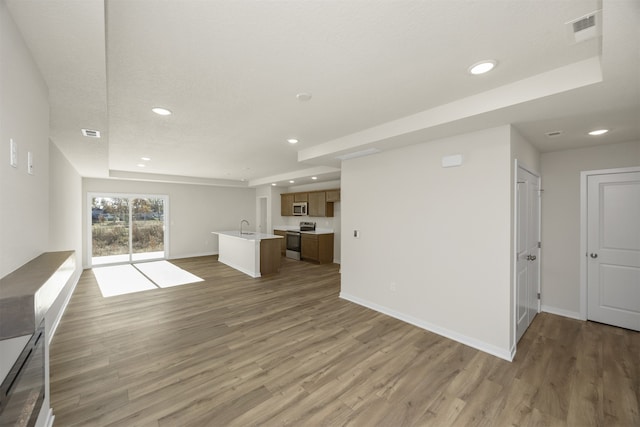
(242, 222)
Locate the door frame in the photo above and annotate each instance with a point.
(263, 211)
(514, 254)
(92, 194)
(584, 177)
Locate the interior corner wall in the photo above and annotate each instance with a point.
(526, 153)
(434, 243)
(24, 117)
(65, 223)
(194, 212)
(560, 256)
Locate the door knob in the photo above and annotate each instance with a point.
(533, 257)
(594, 256)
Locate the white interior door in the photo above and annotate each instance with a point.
(527, 250)
(613, 249)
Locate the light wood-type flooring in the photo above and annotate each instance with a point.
(286, 350)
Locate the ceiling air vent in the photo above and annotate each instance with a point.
(554, 133)
(91, 133)
(584, 23)
(586, 27)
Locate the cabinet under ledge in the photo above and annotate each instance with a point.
(254, 254)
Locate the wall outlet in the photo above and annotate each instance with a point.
(393, 287)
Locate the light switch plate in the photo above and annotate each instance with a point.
(13, 156)
(452, 161)
(30, 163)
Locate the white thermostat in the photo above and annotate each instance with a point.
(452, 160)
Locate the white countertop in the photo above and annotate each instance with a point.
(297, 228)
(248, 235)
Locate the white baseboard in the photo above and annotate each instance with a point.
(561, 312)
(471, 342)
(193, 255)
(46, 421)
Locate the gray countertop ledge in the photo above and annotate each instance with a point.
(27, 293)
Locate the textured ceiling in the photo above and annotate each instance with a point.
(382, 73)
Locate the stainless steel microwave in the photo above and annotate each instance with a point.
(300, 208)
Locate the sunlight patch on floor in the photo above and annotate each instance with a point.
(126, 279)
(164, 274)
(120, 280)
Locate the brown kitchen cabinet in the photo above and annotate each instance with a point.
(333, 195)
(317, 247)
(318, 205)
(270, 259)
(283, 242)
(286, 204)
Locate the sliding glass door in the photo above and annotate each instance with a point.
(147, 228)
(127, 228)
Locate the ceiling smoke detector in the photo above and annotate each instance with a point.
(91, 133)
(586, 27)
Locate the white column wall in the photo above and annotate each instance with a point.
(434, 245)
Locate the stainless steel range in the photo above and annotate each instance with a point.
(294, 239)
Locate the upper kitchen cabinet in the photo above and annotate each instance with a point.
(286, 204)
(300, 197)
(333, 195)
(318, 205)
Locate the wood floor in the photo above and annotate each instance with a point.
(285, 350)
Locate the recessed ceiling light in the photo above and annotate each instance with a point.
(274, 184)
(303, 96)
(292, 141)
(598, 132)
(482, 67)
(141, 165)
(161, 111)
(291, 182)
(146, 159)
(314, 178)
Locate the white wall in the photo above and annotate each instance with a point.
(440, 237)
(65, 219)
(526, 153)
(194, 212)
(561, 218)
(24, 198)
(24, 116)
(39, 212)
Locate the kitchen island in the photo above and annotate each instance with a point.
(254, 254)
